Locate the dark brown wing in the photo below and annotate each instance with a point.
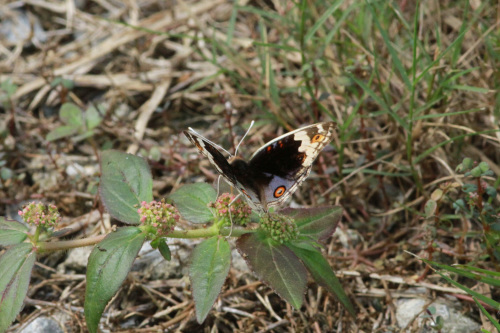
(214, 156)
(291, 155)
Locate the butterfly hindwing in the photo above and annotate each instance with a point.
(287, 160)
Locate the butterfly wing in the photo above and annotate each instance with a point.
(283, 163)
(236, 173)
(212, 152)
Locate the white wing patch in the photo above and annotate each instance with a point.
(312, 146)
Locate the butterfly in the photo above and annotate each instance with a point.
(276, 169)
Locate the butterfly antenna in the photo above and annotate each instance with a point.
(212, 143)
(248, 130)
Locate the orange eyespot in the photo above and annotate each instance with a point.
(317, 138)
(301, 157)
(279, 191)
(269, 149)
(280, 144)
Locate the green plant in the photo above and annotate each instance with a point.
(281, 251)
(64, 86)
(478, 205)
(79, 125)
(7, 90)
(484, 303)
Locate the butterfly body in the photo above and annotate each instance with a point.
(276, 169)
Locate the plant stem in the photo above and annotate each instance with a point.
(207, 232)
(37, 234)
(70, 244)
(195, 233)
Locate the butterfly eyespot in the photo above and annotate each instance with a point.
(280, 144)
(269, 149)
(301, 157)
(317, 138)
(279, 191)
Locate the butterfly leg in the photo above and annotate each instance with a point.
(218, 185)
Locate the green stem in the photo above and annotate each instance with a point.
(195, 233)
(71, 244)
(409, 137)
(37, 234)
(208, 232)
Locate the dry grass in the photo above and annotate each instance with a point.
(154, 68)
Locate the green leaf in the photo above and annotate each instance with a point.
(108, 265)
(471, 88)
(6, 173)
(318, 223)
(82, 136)
(155, 153)
(16, 264)
(475, 172)
(494, 304)
(484, 166)
(209, 267)
(9, 87)
(12, 232)
(92, 118)
(430, 208)
(67, 83)
(71, 114)
(487, 314)
(476, 277)
(125, 182)
(468, 163)
(276, 265)
(192, 202)
(322, 273)
(392, 50)
(62, 132)
(57, 81)
(282, 47)
(327, 14)
(161, 245)
(495, 282)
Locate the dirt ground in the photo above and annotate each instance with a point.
(413, 89)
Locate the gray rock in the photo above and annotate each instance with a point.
(21, 26)
(42, 324)
(454, 321)
(152, 264)
(238, 263)
(77, 259)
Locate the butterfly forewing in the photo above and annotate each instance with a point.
(213, 154)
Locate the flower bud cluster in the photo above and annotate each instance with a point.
(160, 215)
(281, 228)
(240, 210)
(39, 214)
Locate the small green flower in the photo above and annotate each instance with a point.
(281, 228)
(160, 215)
(39, 214)
(240, 210)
